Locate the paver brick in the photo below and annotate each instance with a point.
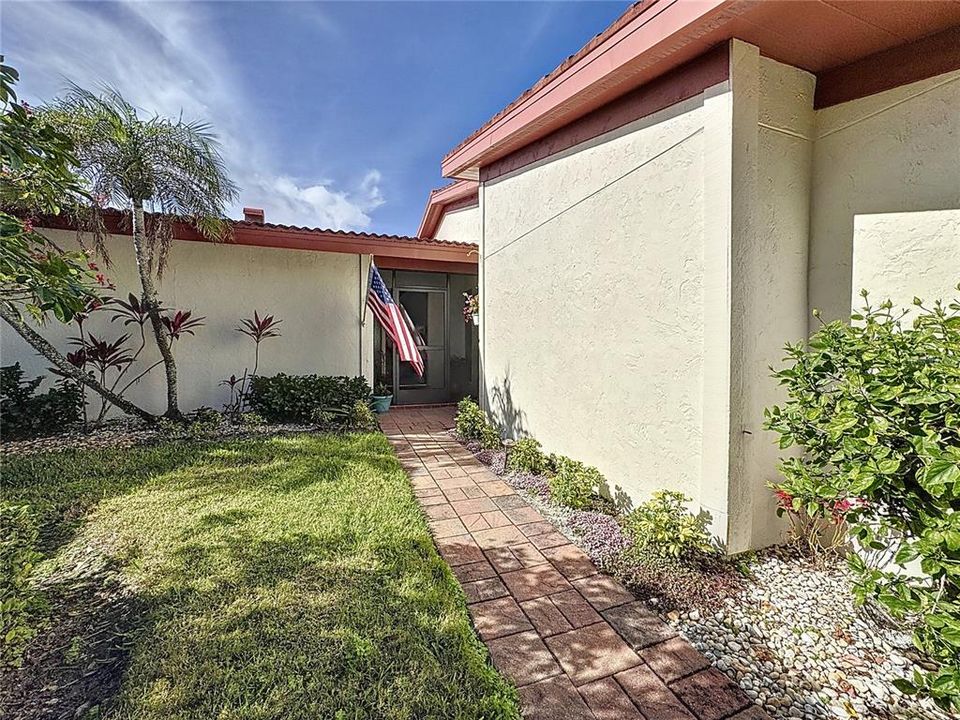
(457, 482)
(522, 515)
(523, 657)
(473, 571)
(602, 591)
(447, 528)
(473, 492)
(469, 507)
(509, 502)
(534, 582)
(488, 589)
(527, 554)
(496, 519)
(498, 617)
(639, 625)
(503, 559)
(549, 539)
(575, 609)
(496, 488)
(536, 528)
(608, 701)
(673, 659)
(592, 652)
(654, 699)
(454, 494)
(545, 616)
(710, 694)
(553, 699)
(571, 561)
(475, 522)
(754, 712)
(498, 537)
(440, 511)
(459, 550)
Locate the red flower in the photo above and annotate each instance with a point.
(28, 225)
(784, 499)
(92, 266)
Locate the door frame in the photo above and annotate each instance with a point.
(416, 394)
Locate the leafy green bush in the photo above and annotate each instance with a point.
(26, 413)
(293, 398)
(573, 483)
(362, 418)
(18, 556)
(358, 417)
(665, 527)
(875, 407)
(526, 456)
(472, 424)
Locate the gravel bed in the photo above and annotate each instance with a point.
(793, 639)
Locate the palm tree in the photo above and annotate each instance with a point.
(158, 171)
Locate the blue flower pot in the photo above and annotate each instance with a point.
(381, 403)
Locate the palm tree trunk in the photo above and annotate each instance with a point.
(38, 343)
(151, 304)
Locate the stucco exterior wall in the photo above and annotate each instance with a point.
(318, 296)
(461, 225)
(592, 302)
(899, 256)
(895, 153)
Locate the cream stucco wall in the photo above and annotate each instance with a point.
(592, 302)
(461, 225)
(899, 256)
(318, 296)
(896, 153)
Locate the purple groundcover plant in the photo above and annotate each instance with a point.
(537, 484)
(601, 535)
(499, 462)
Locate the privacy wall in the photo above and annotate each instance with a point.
(592, 301)
(318, 296)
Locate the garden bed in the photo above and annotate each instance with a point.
(786, 630)
(284, 576)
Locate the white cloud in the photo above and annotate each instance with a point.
(164, 57)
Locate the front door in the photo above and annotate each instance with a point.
(427, 308)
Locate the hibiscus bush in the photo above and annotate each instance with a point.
(874, 408)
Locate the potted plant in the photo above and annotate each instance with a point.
(382, 397)
(471, 308)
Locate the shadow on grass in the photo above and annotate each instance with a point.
(262, 578)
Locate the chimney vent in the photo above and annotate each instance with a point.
(253, 215)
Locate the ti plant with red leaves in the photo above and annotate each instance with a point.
(181, 323)
(257, 329)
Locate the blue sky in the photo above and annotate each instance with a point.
(331, 114)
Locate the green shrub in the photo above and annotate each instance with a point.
(470, 420)
(362, 418)
(294, 398)
(358, 417)
(665, 527)
(472, 424)
(573, 483)
(18, 556)
(26, 414)
(526, 456)
(875, 407)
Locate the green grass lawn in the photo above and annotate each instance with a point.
(287, 577)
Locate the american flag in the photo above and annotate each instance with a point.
(394, 320)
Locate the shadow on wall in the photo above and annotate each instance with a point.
(503, 411)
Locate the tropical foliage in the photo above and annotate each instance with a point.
(665, 527)
(526, 456)
(27, 413)
(874, 406)
(472, 424)
(295, 398)
(170, 167)
(573, 483)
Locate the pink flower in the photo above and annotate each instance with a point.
(784, 499)
(28, 225)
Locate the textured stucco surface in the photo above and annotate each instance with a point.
(899, 256)
(592, 302)
(461, 225)
(317, 295)
(893, 152)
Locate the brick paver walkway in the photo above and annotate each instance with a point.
(576, 642)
